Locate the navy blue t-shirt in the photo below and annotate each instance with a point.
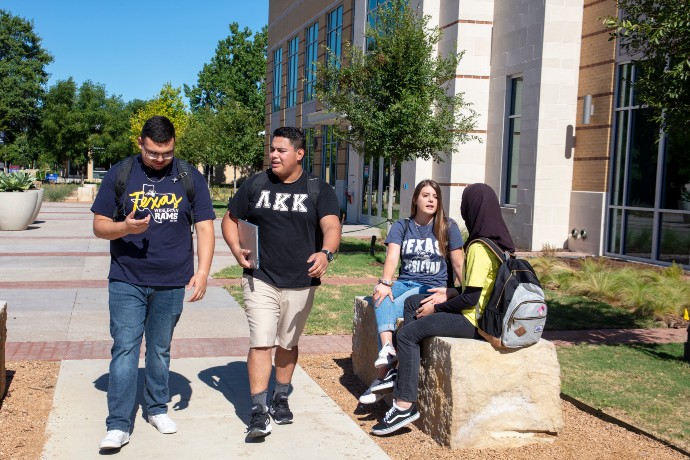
(164, 254)
(289, 230)
(421, 259)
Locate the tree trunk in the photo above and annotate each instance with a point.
(391, 194)
(234, 180)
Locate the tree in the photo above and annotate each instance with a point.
(223, 137)
(168, 103)
(22, 78)
(656, 34)
(394, 97)
(235, 73)
(228, 103)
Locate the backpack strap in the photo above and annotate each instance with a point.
(184, 173)
(313, 188)
(123, 172)
(495, 248)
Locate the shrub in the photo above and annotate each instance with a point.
(58, 192)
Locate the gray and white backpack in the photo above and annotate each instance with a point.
(515, 314)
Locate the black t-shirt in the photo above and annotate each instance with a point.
(163, 254)
(289, 230)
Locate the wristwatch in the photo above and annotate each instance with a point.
(329, 254)
(386, 282)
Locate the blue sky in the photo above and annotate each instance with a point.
(134, 47)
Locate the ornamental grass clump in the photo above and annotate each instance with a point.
(19, 181)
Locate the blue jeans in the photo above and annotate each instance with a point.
(389, 311)
(409, 340)
(135, 311)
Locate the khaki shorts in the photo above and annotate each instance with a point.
(276, 315)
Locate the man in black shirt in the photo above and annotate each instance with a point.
(298, 232)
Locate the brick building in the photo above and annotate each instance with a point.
(595, 182)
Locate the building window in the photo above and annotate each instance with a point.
(373, 8)
(329, 162)
(308, 158)
(512, 153)
(310, 57)
(292, 73)
(647, 214)
(334, 36)
(277, 77)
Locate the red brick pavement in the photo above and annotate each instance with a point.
(181, 348)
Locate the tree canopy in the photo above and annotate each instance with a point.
(228, 103)
(22, 79)
(169, 104)
(394, 96)
(656, 35)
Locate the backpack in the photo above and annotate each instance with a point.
(313, 186)
(516, 312)
(449, 266)
(122, 179)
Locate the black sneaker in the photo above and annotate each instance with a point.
(394, 420)
(387, 384)
(280, 409)
(260, 423)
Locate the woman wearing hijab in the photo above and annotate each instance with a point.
(457, 316)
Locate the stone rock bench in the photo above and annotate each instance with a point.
(471, 395)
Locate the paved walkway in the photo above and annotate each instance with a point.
(53, 278)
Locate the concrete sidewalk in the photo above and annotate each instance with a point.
(53, 277)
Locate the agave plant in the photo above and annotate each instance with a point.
(18, 181)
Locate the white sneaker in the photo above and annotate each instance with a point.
(387, 356)
(368, 397)
(163, 423)
(114, 439)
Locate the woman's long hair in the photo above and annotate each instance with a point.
(440, 221)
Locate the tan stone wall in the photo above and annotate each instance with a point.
(597, 70)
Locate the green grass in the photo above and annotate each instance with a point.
(644, 385)
(577, 312)
(220, 206)
(332, 310)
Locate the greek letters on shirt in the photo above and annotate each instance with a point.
(161, 206)
(282, 201)
(417, 253)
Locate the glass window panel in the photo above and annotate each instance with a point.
(512, 155)
(308, 158)
(333, 40)
(620, 155)
(624, 73)
(292, 73)
(676, 183)
(277, 77)
(615, 223)
(329, 155)
(638, 234)
(644, 152)
(675, 238)
(310, 57)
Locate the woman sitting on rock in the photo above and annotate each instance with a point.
(456, 317)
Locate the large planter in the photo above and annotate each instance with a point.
(17, 209)
(39, 202)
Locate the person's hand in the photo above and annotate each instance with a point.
(439, 295)
(244, 261)
(381, 291)
(136, 226)
(425, 310)
(198, 283)
(319, 263)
